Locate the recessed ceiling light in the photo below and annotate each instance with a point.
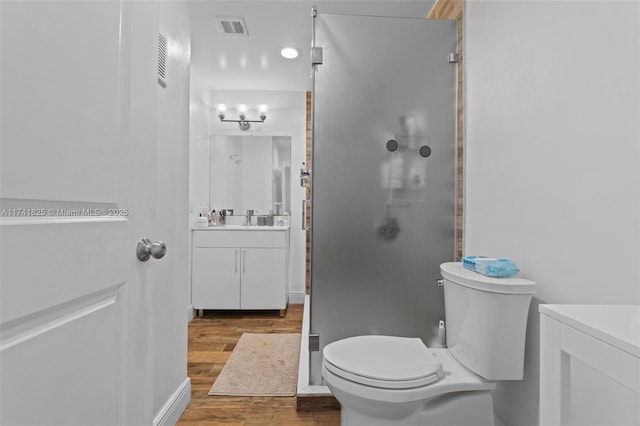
(289, 53)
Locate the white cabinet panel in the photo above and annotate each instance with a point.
(210, 238)
(240, 269)
(216, 278)
(589, 365)
(263, 278)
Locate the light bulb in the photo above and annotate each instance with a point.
(242, 111)
(263, 111)
(289, 53)
(221, 108)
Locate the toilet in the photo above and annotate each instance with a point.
(391, 380)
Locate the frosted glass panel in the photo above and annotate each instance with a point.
(383, 177)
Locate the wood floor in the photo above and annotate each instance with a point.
(211, 341)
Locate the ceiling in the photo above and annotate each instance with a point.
(253, 63)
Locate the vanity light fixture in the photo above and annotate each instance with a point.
(289, 53)
(243, 111)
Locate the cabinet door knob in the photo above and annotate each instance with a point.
(244, 261)
(236, 261)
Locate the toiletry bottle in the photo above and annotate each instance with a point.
(304, 175)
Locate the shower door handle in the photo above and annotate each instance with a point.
(304, 214)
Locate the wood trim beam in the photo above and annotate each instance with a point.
(446, 9)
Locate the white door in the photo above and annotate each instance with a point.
(78, 121)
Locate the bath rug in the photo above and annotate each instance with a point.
(261, 365)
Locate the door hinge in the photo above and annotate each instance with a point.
(314, 342)
(454, 57)
(316, 56)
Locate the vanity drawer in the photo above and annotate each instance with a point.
(251, 238)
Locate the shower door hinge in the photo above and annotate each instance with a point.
(316, 56)
(454, 57)
(314, 342)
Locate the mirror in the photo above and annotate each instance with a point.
(250, 173)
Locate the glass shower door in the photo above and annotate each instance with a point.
(383, 177)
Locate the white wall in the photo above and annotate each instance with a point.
(199, 130)
(257, 170)
(552, 156)
(172, 288)
(226, 174)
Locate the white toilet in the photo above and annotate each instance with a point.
(387, 380)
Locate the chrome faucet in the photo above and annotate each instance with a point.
(249, 214)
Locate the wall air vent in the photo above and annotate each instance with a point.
(233, 26)
(162, 60)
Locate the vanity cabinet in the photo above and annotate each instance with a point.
(589, 365)
(244, 268)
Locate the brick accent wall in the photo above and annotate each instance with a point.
(309, 144)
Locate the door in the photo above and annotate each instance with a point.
(383, 177)
(78, 191)
(216, 278)
(263, 278)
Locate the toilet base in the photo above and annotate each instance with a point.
(452, 409)
(458, 409)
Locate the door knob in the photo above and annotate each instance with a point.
(146, 249)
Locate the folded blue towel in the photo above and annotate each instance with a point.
(490, 266)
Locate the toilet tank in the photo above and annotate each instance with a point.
(486, 321)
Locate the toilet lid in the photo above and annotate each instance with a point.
(383, 361)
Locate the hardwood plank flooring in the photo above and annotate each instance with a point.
(211, 341)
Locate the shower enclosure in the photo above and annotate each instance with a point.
(383, 177)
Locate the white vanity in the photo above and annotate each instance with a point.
(240, 267)
(590, 365)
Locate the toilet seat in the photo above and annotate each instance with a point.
(386, 362)
(455, 377)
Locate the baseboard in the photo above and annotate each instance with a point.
(296, 298)
(191, 313)
(309, 402)
(170, 413)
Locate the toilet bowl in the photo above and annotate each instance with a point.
(384, 380)
(390, 380)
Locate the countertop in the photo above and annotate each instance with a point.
(617, 325)
(243, 228)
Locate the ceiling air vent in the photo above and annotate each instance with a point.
(162, 60)
(233, 26)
